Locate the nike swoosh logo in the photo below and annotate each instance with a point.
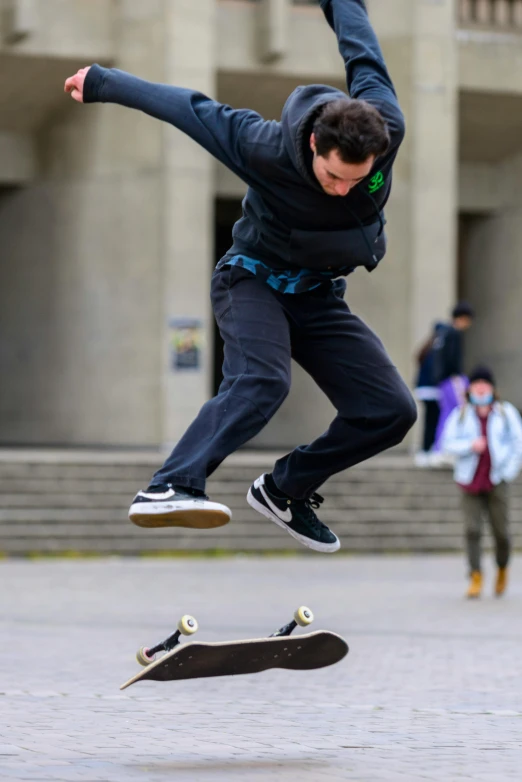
(157, 495)
(285, 516)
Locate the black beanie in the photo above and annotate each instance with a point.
(463, 308)
(482, 373)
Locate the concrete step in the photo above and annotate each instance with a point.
(139, 475)
(65, 502)
(60, 492)
(97, 517)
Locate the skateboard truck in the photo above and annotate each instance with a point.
(302, 617)
(187, 625)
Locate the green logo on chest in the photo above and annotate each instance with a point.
(376, 182)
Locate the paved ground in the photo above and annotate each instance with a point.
(431, 689)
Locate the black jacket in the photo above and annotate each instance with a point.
(447, 353)
(288, 220)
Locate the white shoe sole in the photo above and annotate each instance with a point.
(324, 548)
(185, 513)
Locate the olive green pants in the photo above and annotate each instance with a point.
(493, 506)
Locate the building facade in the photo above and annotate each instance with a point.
(111, 222)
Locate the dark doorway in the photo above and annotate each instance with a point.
(228, 210)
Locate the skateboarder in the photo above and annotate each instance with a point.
(318, 182)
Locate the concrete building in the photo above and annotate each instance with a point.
(110, 222)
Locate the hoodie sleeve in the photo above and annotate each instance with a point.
(366, 73)
(228, 134)
(514, 424)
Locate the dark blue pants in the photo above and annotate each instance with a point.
(262, 330)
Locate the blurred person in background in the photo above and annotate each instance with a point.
(427, 392)
(485, 437)
(318, 183)
(448, 369)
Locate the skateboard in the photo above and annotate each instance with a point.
(231, 658)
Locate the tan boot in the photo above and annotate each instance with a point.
(475, 585)
(501, 582)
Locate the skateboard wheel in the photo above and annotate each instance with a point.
(187, 625)
(303, 616)
(142, 656)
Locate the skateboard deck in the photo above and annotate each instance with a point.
(230, 658)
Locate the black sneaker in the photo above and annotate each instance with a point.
(296, 516)
(175, 506)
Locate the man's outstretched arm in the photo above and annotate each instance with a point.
(229, 134)
(366, 73)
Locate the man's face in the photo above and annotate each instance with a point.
(335, 176)
(463, 322)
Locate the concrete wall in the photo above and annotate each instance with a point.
(110, 243)
(80, 268)
(18, 158)
(493, 282)
(59, 28)
(108, 235)
(490, 61)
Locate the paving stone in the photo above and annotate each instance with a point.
(429, 691)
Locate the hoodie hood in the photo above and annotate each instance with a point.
(297, 118)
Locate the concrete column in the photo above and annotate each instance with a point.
(417, 279)
(434, 167)
(80, 273)
(383, 298)
(272, 29)
(188, 209)
(415, 284)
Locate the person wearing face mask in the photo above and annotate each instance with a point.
(485, 437)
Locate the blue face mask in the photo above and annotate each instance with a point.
(481, 400)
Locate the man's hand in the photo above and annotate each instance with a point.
(479, 445)
(74, 84)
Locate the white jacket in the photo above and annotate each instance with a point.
(504, 434)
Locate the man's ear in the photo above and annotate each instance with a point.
(313, 145)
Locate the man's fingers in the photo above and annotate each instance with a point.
(77, 95)
(74, 84)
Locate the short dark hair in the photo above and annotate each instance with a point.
(354, 128)
(463, 309)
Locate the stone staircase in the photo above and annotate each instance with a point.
(77, 502)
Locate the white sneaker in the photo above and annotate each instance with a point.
(173, 506)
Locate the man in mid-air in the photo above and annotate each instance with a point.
(318, 181)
